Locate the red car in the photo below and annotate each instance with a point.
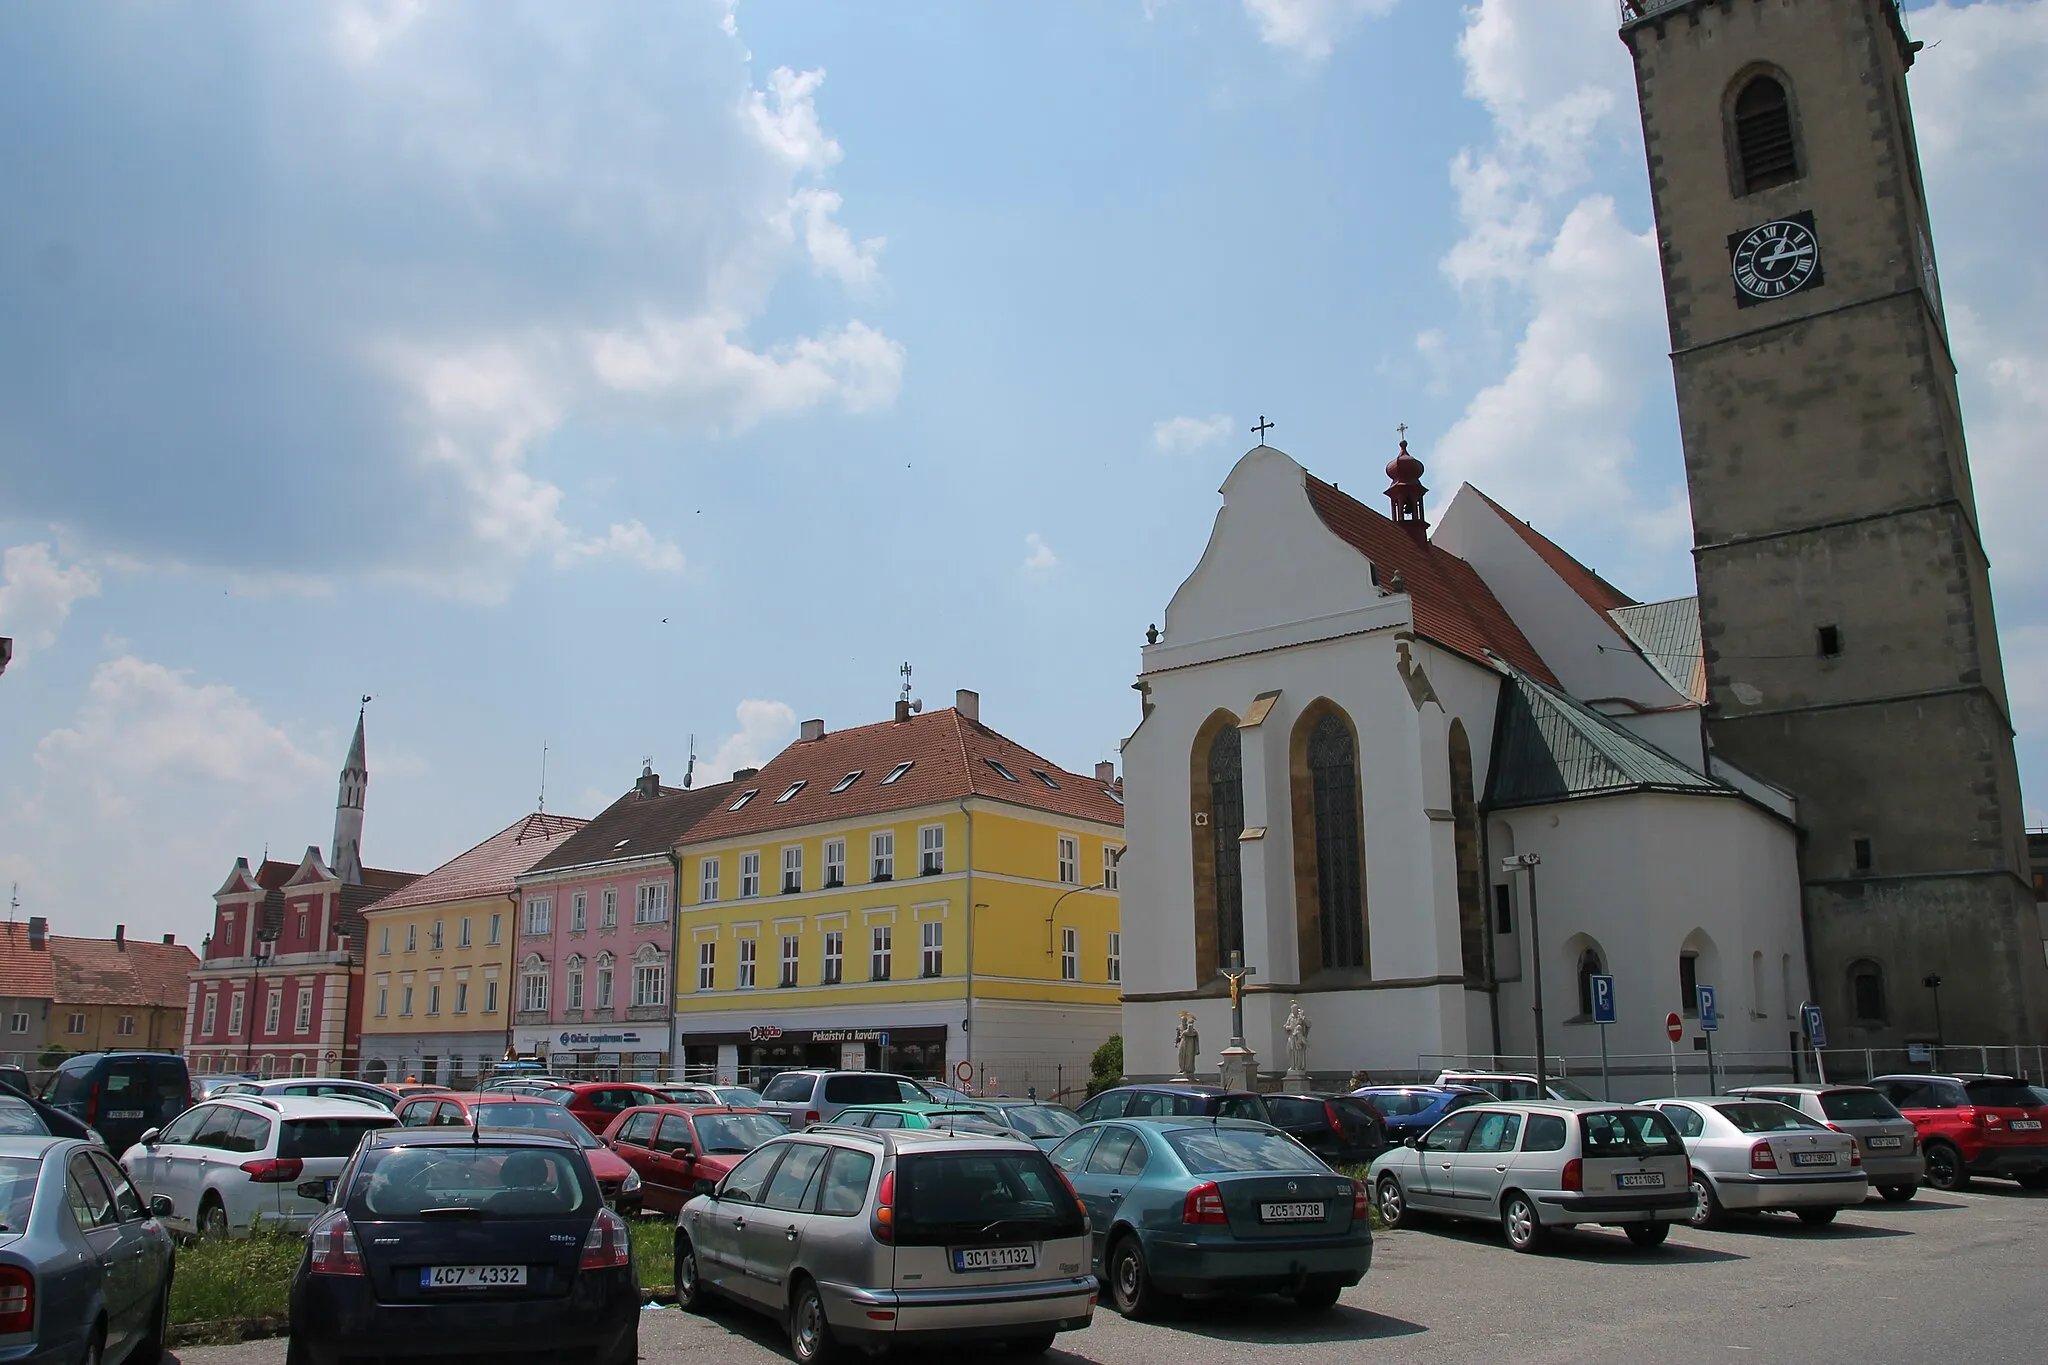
(1975, 1125)
(597, 1103)
(677, 1148)
(618, 1182)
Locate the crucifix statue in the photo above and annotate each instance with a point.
(1235, 974)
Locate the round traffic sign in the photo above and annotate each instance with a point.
(964, 1072)
(1674, 1027)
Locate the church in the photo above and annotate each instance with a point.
(1350, 722)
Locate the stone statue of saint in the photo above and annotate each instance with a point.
(1188, 1042)
(1297, 1027)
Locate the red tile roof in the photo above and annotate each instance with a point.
(24, 973)
(635, 825)
(1452, 604)
(948, 754)
(489, 868)
(377, 882)
(1596, 591)
(95, 971)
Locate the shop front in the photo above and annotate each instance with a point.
(597, 1054)
(752, 1055)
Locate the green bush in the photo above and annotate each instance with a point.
(1106, 1067)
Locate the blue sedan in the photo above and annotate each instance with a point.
(1412, 1110)
(1207, 1205)
(85, 1267)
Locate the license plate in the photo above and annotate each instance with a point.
(1640, 1180)
(471, 1276)
(2025, 1125)
(1884, 1144)
(137, 1113)
(994, 1258)
(1813, 1158)
(1305, 1212)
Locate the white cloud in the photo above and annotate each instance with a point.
(766, 728)
(785, 118)
(832, 248)
(1310, 28)
(1038, 555)
(1184, 435)
(630, 541)
(36, 593)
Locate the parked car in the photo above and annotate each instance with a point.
(204, 1086)
(619, 1182)
(1047, 1125)
(856, 1238)
(1892, 1160)
(1341, 1130)
(1185, 1206)
(597, 1103)
(238, 1163)
(738, 1096)
(953, 1118)
(1172, 1099)
(407, 1089)
(1975, 1125)
(1514, 1085)
(802, 1098)
(1759, 1156)
(91, 1281)
(17, 1080)
(21, 1117)
(1542, 1166)
(491, 1246)
(946, 1094)
(1412, 1110)
(679, 1150)
(119, 1094)
(317, 1086)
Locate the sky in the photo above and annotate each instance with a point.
(580, 382)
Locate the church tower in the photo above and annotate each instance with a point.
(348, 810)
(1851, 652)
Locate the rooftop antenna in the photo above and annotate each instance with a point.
(543, 777)
(13, 903)
(905, 671)
(903, 699)
(690, 771)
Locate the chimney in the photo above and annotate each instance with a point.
(810, 730)
(120, 938)
(968, 704)
(1105, 773)
(170, 940)
(742, 774)
(38, 932)
(902, 709)
(649, 784)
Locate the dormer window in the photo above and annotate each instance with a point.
(745, 796)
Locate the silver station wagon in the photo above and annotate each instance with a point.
(1538, 1167)
(876, 1238)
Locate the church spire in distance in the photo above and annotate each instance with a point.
(348, 808)
(1405, 490)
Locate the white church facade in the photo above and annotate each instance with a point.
(1348, 724)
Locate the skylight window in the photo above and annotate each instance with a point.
(1113, 796)
(745, 796)
(1005, 773)
(848, 780)
(898, 771)
(1043, 776)
(794, 788)
(622, 843)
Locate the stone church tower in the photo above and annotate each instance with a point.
(348, 811)
(1851, 652)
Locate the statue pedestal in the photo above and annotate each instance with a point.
(1240, 1069)
(1295, 1078)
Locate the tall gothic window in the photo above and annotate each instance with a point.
(1340, 893)
(1766, 151)
(1465, 842)
(1226, 824)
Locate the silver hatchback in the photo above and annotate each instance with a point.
(870, 1239)
(1757, 1156)
(1890, 1144)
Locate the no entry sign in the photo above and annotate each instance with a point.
(1674, 1027)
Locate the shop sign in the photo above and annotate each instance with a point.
(763, 1033)
(589, 1040)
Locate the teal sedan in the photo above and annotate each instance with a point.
(1203, 1206)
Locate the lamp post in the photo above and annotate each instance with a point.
(1050, 914)
(266, 940)
(1528, 862)
(1932, 981)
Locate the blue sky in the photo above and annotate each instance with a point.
(598, 376)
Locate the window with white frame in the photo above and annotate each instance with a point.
(1111, 856)
(574, 982)
(433, 998)
(1070, 955)
(652, 905)
(125, 1026)
(412, 938)
(490, 997)
(707, 880)
(707, 966)
(384, 942)
(533, 986)
(835, 958)
(792, 869)
(880, 941)
(931, 850)
(540, 915)
(273, 1009)
(437, 938)
(462, 997)
(235, 1013)
(1070, 860)
(897, 772)
(462, 933)
(579, 912)
(650, 981)
(207, 1017)
(404, 1002)
(383, 1000)
(934, 949)
(304, 1023)
(497, 927)
(1116, 956)
(882, 855)
(750, 874)
(604, 981)
(748, 948)
(835, 862)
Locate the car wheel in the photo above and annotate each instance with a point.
(1945, 1168)
(1130, 1283)
(1647, 1235)
(150, 1350)
(213, 1220)
(2037, 1180)
(1896, 1194)
(690, 1295)
(1518, 1220)
(810, 1336)
(1317, 1295)
(1033, 1346)
(1706, 1205)
(1817, 1218)
(1393, 1204)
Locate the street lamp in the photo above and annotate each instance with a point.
(1932, 981)
(1528, 862)
(266, 942)
(1056, 909)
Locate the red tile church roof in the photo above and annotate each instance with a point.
(1596, 591)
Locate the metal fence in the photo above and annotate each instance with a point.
(1634, 1076)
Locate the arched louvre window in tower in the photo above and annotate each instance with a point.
(1333, 771)
(1766, 152)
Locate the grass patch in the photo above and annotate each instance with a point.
(654, 1249)
(249, 1278)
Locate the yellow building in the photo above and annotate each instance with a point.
(921, 895)
(437, 1002)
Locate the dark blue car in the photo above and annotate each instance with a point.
(1411, 1110)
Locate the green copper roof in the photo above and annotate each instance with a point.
(1550, 747)
(1668, 634)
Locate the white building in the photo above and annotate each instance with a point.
(1348, 724)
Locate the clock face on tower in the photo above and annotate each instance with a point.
(1774, 259)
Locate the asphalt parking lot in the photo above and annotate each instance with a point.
(1946, 1277)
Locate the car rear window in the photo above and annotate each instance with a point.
(862, 1090)
(1765, 1116)
(484, 1181)
(1355, 1112)
(545, 1118)
(326, 1137)
(1629, 1132)
(2002, 1094)
(1242, 1107)
(17, 1190)
(944, 1197)
(19, 1119)
(1401, 1104)
(1857, 1104)
(793, 1087)
(730, 1134)
(1211, 1151)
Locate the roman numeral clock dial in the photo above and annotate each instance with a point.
(1774, 259)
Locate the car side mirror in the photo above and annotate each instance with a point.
(705, 1187)
(150, 1136)
(1412, 1140)
(160, 1206)
(315, 1190)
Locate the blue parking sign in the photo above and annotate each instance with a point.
(1816, 1027)
(1710, 1020)
(1603, 999)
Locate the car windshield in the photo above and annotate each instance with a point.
(1857, 1104)
(1567, 1090)
(1401, 1103)
(2003, 1094)
(738, 1096)
(1765, 1116)
(326, 1137)
(795, 1085)
(1002, 1196)
(484, 1181)
(545, 1118)
(1213, 1151)
(19, 1118)
(862, 1089)
(730, 1134)
(1040, 1120)
(1629, 1132)
(976, 1121)
(17, 1191)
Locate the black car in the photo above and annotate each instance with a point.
(456, 1245)
(122, 1094)
(22, 1118)
(1171, 1099)
(1337, 1128)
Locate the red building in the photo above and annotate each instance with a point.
(279, 986)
